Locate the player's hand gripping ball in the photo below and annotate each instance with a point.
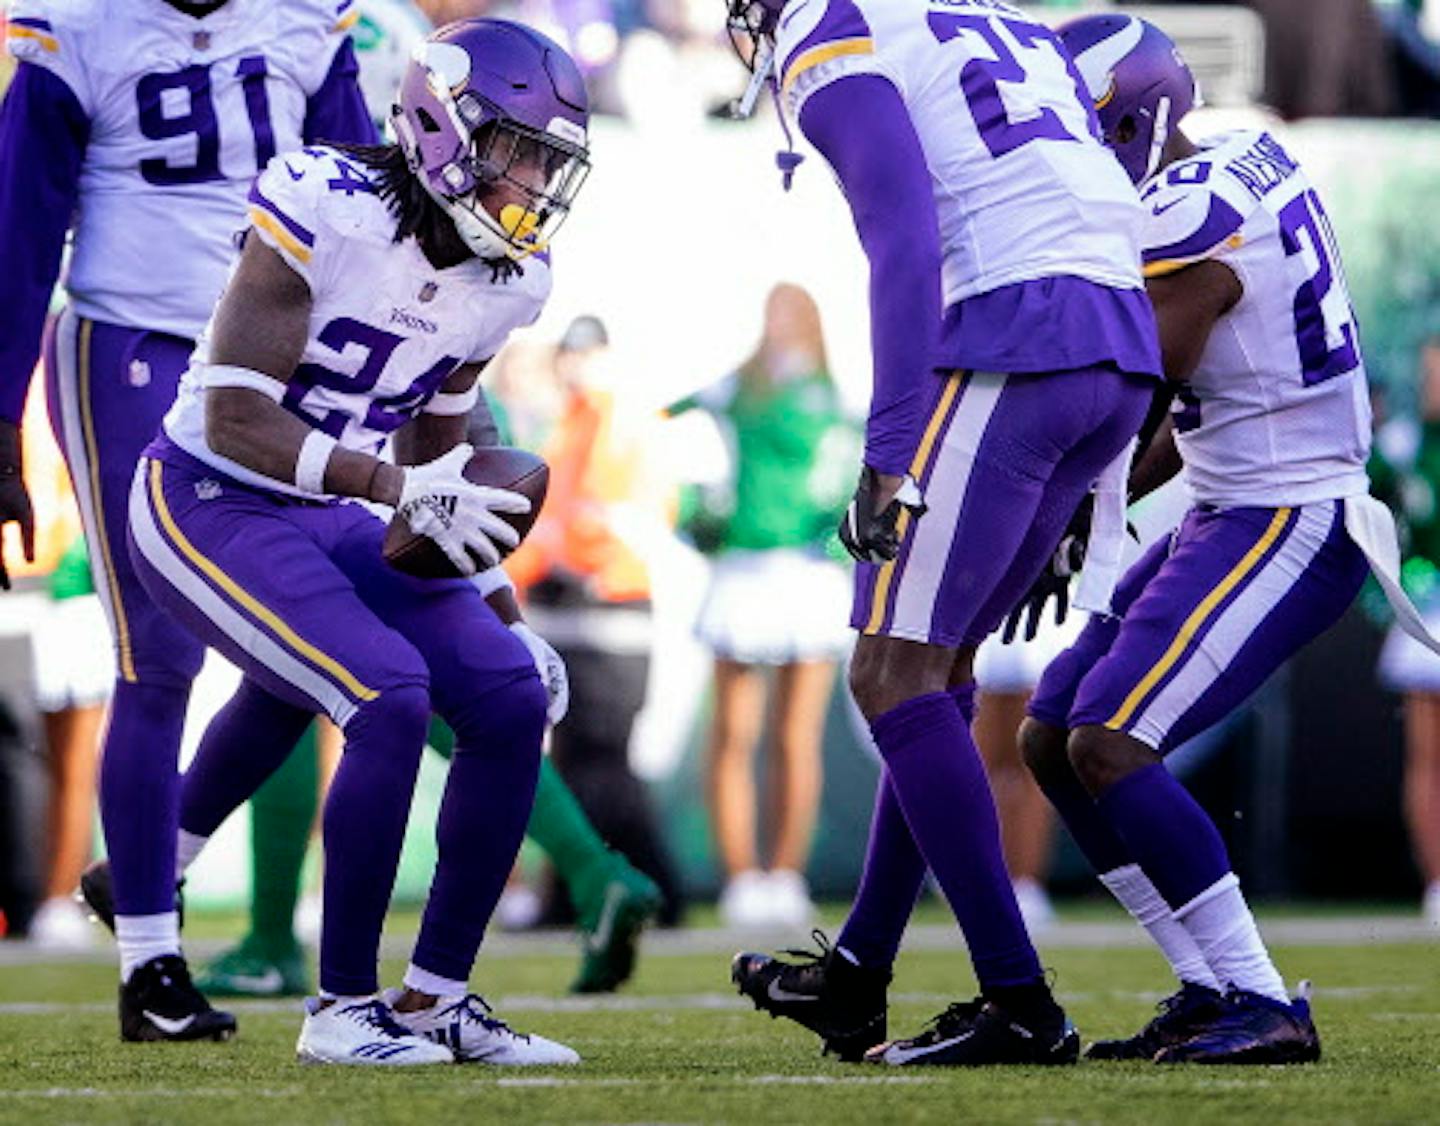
(491, 467)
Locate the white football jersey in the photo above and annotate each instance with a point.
(1278, 412)
(183, 113)
(386, 327)
(1023, 187)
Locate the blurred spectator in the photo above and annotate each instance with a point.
(586, 586)
(1325, 58)
(1405, 665)
(776, 609)
(385, 34)
(73, 674)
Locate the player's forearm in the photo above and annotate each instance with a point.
(251, 430)
(43, 134)
(861, 126)
(427, 437)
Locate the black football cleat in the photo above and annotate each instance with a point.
(1181, 1016)
(981, 1034)
(97, 893)
(1253, 1029)
(159, 1002)
(842, 1003)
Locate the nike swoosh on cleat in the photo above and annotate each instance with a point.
(777, 992)
(269, 982)
(599, 938)
(293, 174)
(1158, 210)
(898, 1055)
(171, 1026)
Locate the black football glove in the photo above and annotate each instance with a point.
(871, 536)
(1054, 580)
(14, 500)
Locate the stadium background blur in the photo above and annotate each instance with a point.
(682, 229)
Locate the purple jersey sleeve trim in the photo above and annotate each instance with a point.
(32, 21)
(43, 134)
(1220, 223)
(259, 198)
(336, 111)
(842, 20)
(860, 124)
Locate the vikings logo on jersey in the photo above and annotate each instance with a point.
(386, 327)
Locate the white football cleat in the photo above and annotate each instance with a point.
(467, 1028)
(363, 1033)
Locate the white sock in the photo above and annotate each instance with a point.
(1138, 895)
(423, 981)
(187, 848)
(1219, 921)
(143, 937)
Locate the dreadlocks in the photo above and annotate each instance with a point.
(415, 211)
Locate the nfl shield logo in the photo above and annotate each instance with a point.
(202, 40)
(428, 291)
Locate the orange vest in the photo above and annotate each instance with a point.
(593, 469)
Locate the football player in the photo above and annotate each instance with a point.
(1015, 357)
(142, 125)
(373, 285)
(1272, 422)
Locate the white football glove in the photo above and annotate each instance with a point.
(552, 671)
(437, 502)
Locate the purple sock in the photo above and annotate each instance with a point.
(1165, 830)
(364, 827)
(894, 871)
(487, 802)
(139, 780)
(940, 781)
(1090, 828)
(246, 742)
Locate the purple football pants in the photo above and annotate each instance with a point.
(108, 388)
(298, 596)
(1201, 621)
(1004, 461)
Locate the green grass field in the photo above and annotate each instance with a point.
(678, 1046)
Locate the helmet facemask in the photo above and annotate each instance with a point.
(751, 27)
(539, 173)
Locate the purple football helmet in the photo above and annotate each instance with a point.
(1135, 74)
(486, 102)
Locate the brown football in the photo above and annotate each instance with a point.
(499, 467)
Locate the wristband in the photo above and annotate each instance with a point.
(310, 463)
(488, 581)
(227, 375)
(461, 402)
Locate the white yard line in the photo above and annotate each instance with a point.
(1342, 931)
(693, 1002)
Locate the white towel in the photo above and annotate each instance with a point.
(1372, 528)
(1105, 550)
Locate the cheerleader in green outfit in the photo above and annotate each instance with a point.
(778, 605)
(1406, 466)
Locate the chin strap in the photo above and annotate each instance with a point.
(789, 160)
(761, 76)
